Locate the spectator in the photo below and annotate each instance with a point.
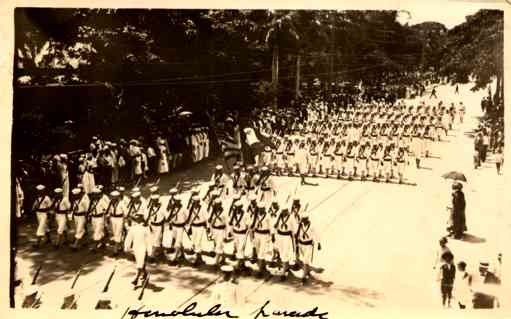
(446, 276)
(499, 159)
(463, 290)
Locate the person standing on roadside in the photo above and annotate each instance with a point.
(463, 290)
(499, 159)
(446, 276)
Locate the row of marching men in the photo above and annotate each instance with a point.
(367, 157)
(236, 221)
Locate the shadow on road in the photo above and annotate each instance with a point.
(469, 238)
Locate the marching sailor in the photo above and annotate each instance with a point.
(283, 231)
(266, 185)
(261, 226)
(96, 211)
(374, 163)
(339, 158)
(217, 227)
(400, 163)
(313, 158)
(62, 207)
(117, 211)
(138, 240)
(249, 180)
(197, 222)
(351, 160)
(156, 219)
(177, 218)
(387, 163)
(362, 161)
(80, 208)
(41, 207)
(237, 180)
(306, 239)
(238, 226)
(221, 181)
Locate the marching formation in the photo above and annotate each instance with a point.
(236, 223)
(372, 141)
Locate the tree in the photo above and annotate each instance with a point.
(475, 49)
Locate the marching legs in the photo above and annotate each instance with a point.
(285, 270)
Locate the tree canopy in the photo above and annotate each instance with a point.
(113, 65)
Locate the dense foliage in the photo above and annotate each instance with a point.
(104, 67)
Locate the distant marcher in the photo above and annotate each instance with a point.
(461, 111)
(433, 93)
(457, 90)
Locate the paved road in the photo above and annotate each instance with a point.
(379, 241)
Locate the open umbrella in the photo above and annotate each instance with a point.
(457, 176)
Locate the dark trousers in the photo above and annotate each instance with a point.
(484, 150)
(446, 293)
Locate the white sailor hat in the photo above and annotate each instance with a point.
(80, 186)
(120, 189)
(219, 167)
(115, 193)
(135, 189)
(227, 268)
(238, 204)
(76, 191)
(135, 194)
(173, 191)
(236, 197)
(40, 187)
(261, 205)
(267, 148)
(215, 193)
(217, 201)
(155, 196)
(484, 264)
(153, 189)
(96, 190)
(63, 156)
(264, 168)
(57, 190)
(252, 197)
(196, 198)
(178, 198)
(100, 187)
(236, 167)
(195, 190)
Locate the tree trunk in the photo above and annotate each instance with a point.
(275, 73)
(498, 89)
(297, 85)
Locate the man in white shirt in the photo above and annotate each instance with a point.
(254, 144)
